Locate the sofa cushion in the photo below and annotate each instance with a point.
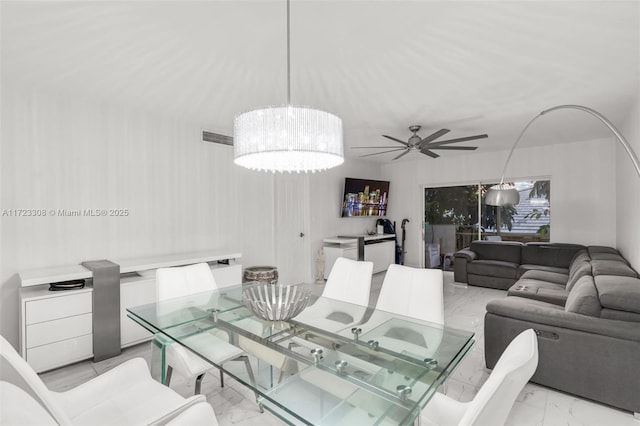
(493, 268)
(548, 276)
(556, 297)
(580, 256)
(539, 290)
(554, 255)
(490, 282)
(529, 267)
(602, 249)
(608, 256)
(620, 293)
(612, 267)
(578, 270)
(503, 251)
(583, 298)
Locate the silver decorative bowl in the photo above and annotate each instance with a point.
(276, 302)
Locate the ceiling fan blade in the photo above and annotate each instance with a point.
(396, 140)
(377, 147)
(433, 136)
(404, 153)
(461, 148)
(467, 138)
(429, 153)
(383, 152)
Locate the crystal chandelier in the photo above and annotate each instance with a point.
(287, 138)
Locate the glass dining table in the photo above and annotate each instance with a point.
(334, 363)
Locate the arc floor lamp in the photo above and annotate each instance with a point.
(505, 194)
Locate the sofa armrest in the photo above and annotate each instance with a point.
(555, 316)
(461, 258)
(466, 254)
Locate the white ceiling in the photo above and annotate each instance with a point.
(474, 67)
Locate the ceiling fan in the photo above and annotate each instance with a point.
(424, 145)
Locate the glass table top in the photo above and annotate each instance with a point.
(339, 362)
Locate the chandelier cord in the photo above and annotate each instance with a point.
(288, 53)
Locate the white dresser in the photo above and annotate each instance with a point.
(56, 327)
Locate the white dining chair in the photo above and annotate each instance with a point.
(417, 295)
(19, 408)
(496, 397)
(124, 395)
(413, 292)
(214, 345)
(349, 281)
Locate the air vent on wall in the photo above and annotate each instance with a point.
(216, 138)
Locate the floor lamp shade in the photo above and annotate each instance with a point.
(503, 194)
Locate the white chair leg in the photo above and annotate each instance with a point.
(221, 378)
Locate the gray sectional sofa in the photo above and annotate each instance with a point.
(587, 317)
(500, 264)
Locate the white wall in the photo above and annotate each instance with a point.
(582, 174)
(183, 195)
(326, 192)
(628, 190)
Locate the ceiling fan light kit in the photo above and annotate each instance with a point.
(424, 145)
(288, 138)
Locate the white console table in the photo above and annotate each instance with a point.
(56, 327)
(379, 249)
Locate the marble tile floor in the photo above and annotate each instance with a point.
(464, 308)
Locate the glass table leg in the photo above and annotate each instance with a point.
(158, 365)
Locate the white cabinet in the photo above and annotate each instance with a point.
(379, 249)
(134, 291)
(332, 253)
(227, 275)
(56, 328)
(382, 254)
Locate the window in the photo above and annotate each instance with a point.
(457, 215)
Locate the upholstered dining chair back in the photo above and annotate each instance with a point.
(496, 397)
(20, 408)
(124, 395)
(413, 292)
(15, 370)
(184, 281)
(349, 281)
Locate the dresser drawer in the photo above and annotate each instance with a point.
(61, 353)
(61, 329)
(52, 308)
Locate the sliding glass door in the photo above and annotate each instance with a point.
(456, 215)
